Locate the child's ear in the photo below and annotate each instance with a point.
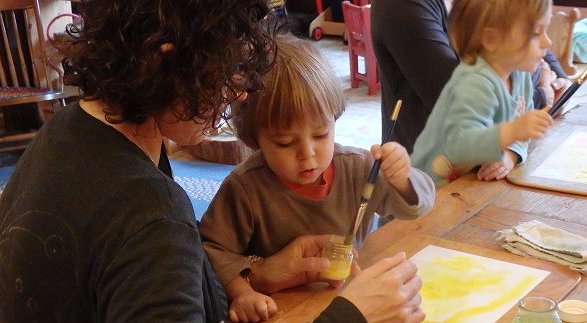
(490, 38)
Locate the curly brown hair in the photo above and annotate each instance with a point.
(116, 54)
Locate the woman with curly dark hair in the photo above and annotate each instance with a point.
(92, 226)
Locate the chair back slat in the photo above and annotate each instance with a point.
(19, 47)
(41, 43)
(3, 81)
(33, 59)
(8, 51)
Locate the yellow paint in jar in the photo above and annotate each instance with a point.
(340, 257)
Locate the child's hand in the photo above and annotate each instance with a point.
(530, 125)
(396, 166)
(560, 85)
(547, 75)
(395, 162)
(252, 306)
(498, 170)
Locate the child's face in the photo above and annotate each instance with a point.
(518, 53)
(301, 153)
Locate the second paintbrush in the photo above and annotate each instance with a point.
(370, 185)
(568, 94)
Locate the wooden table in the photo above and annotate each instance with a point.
(466, 211)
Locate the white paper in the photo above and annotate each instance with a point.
(568, 162)
(578, 98)
(462, 287)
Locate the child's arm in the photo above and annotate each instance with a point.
(396, 165)
(248, 305)
(547, 77)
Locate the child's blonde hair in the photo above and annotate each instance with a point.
(468, 18)
(300, 87)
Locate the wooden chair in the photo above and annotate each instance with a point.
(560, 32)
(26, 73)
(357, 21)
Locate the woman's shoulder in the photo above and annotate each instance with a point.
(155, 193)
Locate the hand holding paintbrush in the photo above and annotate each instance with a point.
(370, 185)
(557, 106)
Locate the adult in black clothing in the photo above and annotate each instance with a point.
(92, 226)
(416, 59)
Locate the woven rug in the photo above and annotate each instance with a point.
(200, 180)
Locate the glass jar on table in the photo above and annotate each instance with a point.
(340, 256)
(536, 309)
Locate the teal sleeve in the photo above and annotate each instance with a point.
(521, 147)
(472, 137)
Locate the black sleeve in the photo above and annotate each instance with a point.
(421, 47)
(341, 310)
(156, 276)
(554, 64)
(539, 97)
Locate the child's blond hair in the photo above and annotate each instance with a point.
(468, 19)
(300, 87)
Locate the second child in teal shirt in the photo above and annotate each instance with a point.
(484, 115)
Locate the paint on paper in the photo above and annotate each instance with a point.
(463, 288)
(568, 162)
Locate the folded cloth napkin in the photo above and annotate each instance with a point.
(539, 240)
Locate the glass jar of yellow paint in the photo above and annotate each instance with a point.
(536, 309)
(340, 256)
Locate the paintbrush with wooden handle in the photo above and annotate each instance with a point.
(370, 185)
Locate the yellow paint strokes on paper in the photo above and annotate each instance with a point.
(463, 288)
(516, 292)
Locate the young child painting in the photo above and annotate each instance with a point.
(484, 116)
(299, 181)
